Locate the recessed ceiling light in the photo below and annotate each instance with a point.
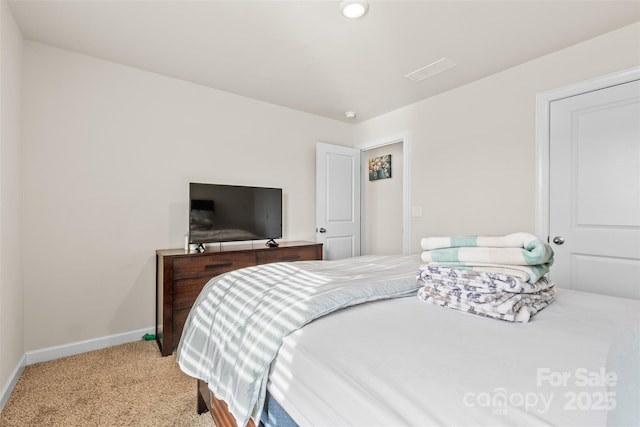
(354, 8)
(350, 114)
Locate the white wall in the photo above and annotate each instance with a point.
(11, 293)
(473, 148)
(109, 151)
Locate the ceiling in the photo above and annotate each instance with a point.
(305, 55)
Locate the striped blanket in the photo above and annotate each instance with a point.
(513, 240)
(512, 249)
(239, 320)
(518, 254)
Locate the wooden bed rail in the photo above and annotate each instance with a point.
(216, 407)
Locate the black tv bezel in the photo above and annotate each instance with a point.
(209, 241)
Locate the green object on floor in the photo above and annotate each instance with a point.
(148, 337)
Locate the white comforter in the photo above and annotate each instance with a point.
(237, 324)
(403, 363)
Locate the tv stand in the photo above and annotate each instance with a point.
(181, 275)
(271, 244)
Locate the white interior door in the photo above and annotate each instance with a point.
(594, 192)
(338, 200)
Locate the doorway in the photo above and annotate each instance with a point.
(382, 200)
(385, 202)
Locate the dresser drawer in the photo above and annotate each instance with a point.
(181, 276)
(288, 254)
(179, 319)
(185, 291)
(211, 265)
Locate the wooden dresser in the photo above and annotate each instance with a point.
(180, 276)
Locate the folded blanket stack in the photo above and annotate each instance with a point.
(504, 277)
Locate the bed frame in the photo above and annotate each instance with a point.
(216, 407)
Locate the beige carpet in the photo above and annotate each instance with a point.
(126, 385)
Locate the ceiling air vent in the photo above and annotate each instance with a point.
(442, 64)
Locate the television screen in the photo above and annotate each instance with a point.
(227, 213)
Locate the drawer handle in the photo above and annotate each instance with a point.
(290, 258)
(222, 264)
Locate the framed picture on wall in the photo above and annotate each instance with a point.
(380, 167)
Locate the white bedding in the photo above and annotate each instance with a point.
(236, 326)
(401, 362)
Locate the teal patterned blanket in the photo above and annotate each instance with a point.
(518, 251)
(512, 249)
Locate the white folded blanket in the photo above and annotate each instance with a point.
(495, 276)
(523, 273)
(513, 249)
(514, 240)
(483, 280)
(508, 306)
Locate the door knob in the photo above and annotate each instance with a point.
(558, 240)
(322, 230)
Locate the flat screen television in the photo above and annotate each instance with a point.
(231, 213)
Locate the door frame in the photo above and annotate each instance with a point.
(406, 202)
(543, 107)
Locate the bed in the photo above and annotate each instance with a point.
(395, 360)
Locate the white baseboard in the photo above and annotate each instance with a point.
(60, 351)
(13, 380)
